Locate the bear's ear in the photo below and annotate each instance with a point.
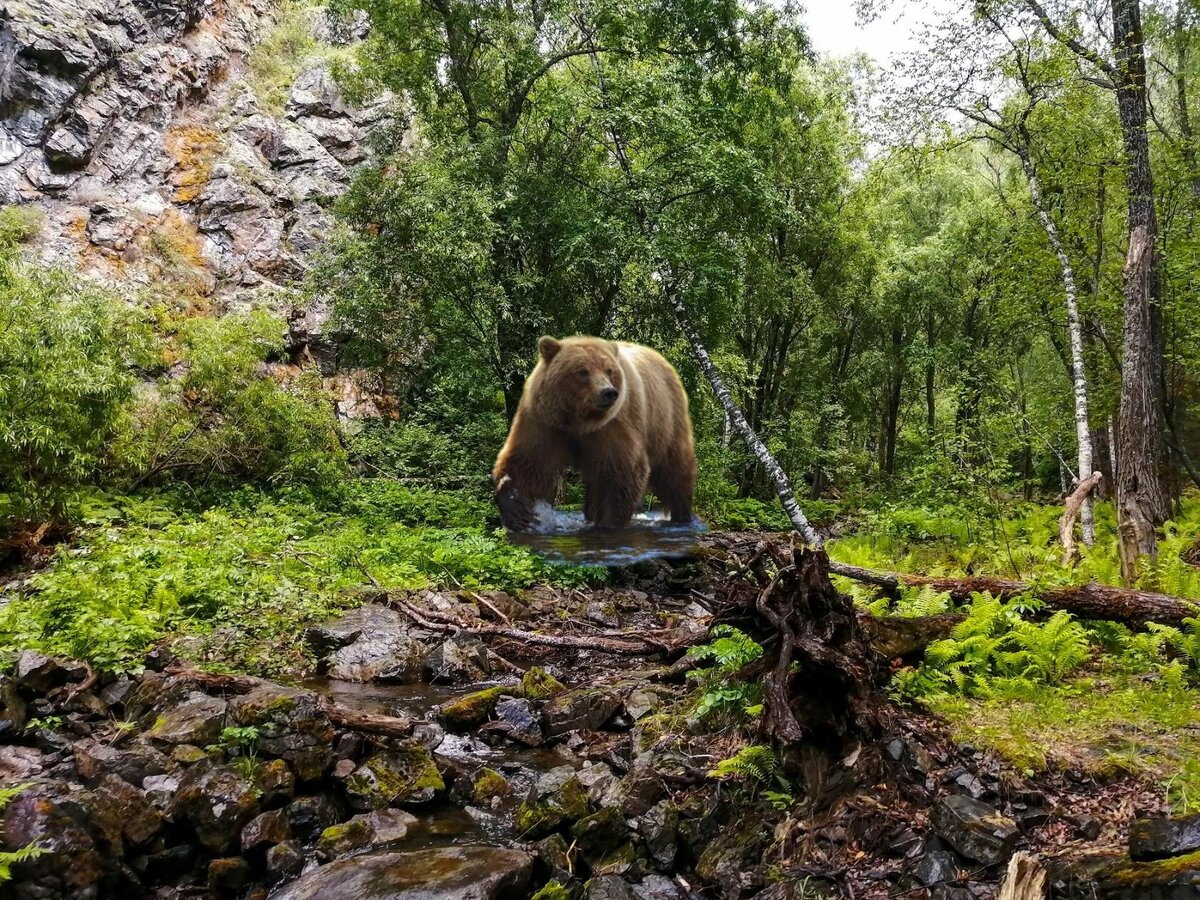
(616, 348)
(548, 347)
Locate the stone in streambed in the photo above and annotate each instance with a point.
(292, 726)
(1163, 838)
(472, 710)
(538, 684)
(380, 829)
(557, 798)
(444, 873)
(458, 660)
(371, 643)
(404, 774)
(266, 829)
(974, 829)
(585, 708)
(516, 720)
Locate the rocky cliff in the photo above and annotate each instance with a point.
(137, 127)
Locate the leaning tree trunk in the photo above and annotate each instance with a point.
(783, 486)
(1083, 433)
(1142, 501)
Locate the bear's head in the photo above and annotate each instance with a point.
(582, 386)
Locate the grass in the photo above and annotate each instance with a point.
(235, 583)
(282, 54)
(1104, 724)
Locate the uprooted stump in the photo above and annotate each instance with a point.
(821, 677)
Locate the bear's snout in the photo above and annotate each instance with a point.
(607, 397)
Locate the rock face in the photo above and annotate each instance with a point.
(1164, 838)
(447, 873)
(974, 829)
(134, 126)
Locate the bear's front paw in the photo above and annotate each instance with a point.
(516, 512)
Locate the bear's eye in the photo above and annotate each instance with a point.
(611, 374)
(582, 373)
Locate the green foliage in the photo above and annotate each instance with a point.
(282, 52)
(10, 858)
(758, 766)
(722, 695)
(226, 419)
(18, 224)
(242, 580)
(66, 348)
(995, 645)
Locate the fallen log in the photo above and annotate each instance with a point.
(344, 716)
(1086, 601)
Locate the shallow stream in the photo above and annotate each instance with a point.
(564, 536)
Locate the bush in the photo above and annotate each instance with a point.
(66, 352)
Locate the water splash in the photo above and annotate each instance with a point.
(564, 536)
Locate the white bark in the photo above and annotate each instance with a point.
(733, 414)
(1083, 433)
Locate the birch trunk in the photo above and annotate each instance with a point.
(733, 413)
(1083, 433)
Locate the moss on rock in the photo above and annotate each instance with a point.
(538, 684)
(472, 710)
(404, 774)
(489, 785)
(538, 818)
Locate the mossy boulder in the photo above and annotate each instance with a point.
(405, 773)
(585, 708)
(538, 684)
(557, 800)
(292, 726)
(489, 786)
(472, 710)
(343, 838)
(601, 832)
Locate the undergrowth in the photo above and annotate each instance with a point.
(239, 582)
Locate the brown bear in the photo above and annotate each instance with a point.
(615, 412)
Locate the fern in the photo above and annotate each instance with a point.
(757, 766)
(722, 696)
(1053, 649)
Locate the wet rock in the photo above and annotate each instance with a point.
(976, 830)
(659, 828)
(489, 786)
(556, 799)
(1162, 838)
(368, 644)
(444, 873)
(404, 774)
(37, 672)
(217, 802)
(13, 710)
(19, 764)
(160, 790)
(607, 887)
(292, 726)
(516, 720)
(937, 866)
(275, 782)
(471, 711)
(285, 859)
(458, 660)
(311, 815)
(639, 790)
(381, 829)
(140, 820)
(538, 684)
(167, 863)
(599, 834)
(584, 708)
(198, 720)
(554, 858)
(70, 864)
(657, 887)
(227, 874)
(731, 858)
(266, 828)
(115, 693)
(134, 762)
(597, 779)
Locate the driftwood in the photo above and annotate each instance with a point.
(1025, 878)
(344, 716)
(1066, 524)
(1087, 601)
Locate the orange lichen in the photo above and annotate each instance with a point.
(195, 149)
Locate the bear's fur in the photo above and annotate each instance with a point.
(618, 414)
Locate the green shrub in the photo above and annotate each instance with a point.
(66, 351)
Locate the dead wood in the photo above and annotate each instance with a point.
(1066, 524)
(1087, 601)
(1025, 878)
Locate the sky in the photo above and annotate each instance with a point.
(834, 29)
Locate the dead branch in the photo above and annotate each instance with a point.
(1066, 524)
